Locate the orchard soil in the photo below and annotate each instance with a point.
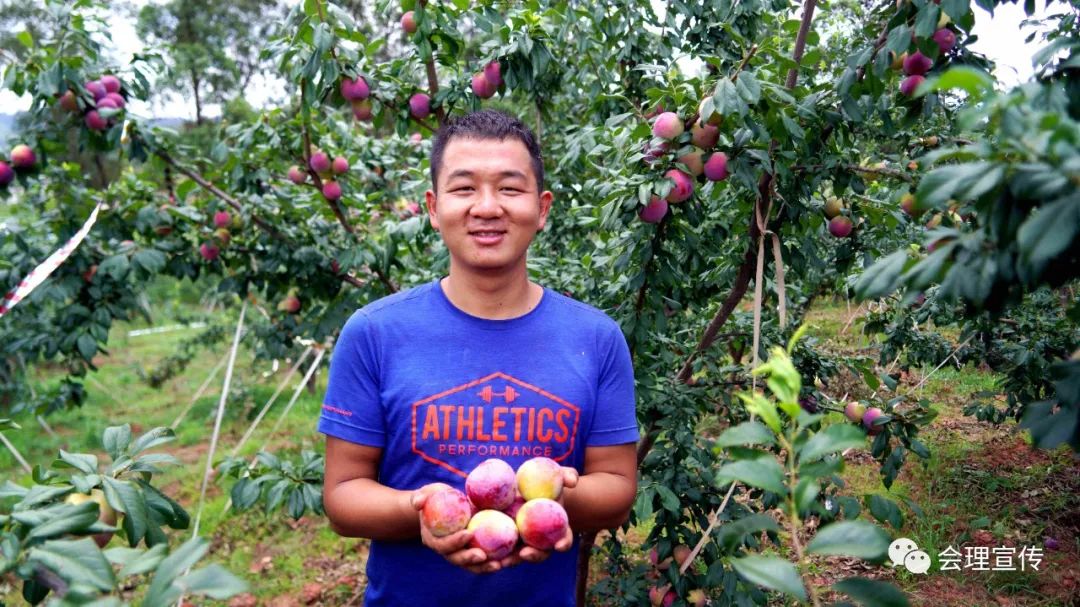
(983, 486)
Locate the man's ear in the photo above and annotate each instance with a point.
(545, 207)
(432, 201)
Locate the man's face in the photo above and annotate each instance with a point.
(487, 208)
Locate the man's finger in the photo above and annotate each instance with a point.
(566, 542)
(451, 543)
(570, 477)
(533, 555)
(467, 558)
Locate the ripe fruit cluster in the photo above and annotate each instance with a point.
(500, 507)
(327, 169)
(665, 596)
(106, 102)
(668, 128)
(915, 66)
(840, 225)
(857, 413)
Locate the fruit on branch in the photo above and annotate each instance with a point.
(340, 165)
(97, 89)
(222, 219)
(854, 411)
(331, 190)
(297, 175)
(662, 596)
(416, 139)
(868, 419)
(117, 99)
(111, 83)
(446, 511)
(654, 558)
(716, 167)
(681, 553)
(684, 185)
(945, 39)
(95, 121)
(704, 136)
(362, 109)
(481, 87)
(290, 305)
(911, 84)
(106, 513)
(917, 64)
(667, 126)
(696, 598)
(542, 522)
(408, 22)
(907, 203)
(840, 226)
(713, 119)
(540, 477)
(490, 485)
(354, 90)
(69, 102)
(809, 403)
(493, 73)
(88, 274)
(654, 211)
(209, 251)
(693, 162)
(22, 157)
(7, 174)
(493, 532)
(420, 106)
(335, 267)
(934, 221)
(319, 162)
(833, 207)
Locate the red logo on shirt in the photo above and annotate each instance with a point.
(494, 416)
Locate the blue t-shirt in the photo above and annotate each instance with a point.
(440, 391)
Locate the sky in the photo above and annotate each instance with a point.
(1000, 38)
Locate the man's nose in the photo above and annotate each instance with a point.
(487, 203)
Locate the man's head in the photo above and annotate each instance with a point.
(486, 124)
(486, 198)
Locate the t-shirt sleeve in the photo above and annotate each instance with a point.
(615, 422)
(352, 410)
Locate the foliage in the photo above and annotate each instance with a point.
(37, 522)
(277, 483)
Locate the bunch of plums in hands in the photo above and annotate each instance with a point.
(502, 510)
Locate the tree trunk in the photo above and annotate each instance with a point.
(198, 102)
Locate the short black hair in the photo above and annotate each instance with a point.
(486, 124)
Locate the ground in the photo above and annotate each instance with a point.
(983, 486)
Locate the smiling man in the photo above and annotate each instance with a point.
(428, 383)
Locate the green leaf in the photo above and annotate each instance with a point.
(212, 581)
(162, 591)
(726, 99)
(732, 534)
(764, 473)
(25, 38)
(115, 267)
(772, 573)
(886, 511)
(116, 440)
(146, 562)
(763, 408)
(78, 562)
(1049, 231)
(973, 81)
(669, 499)
(151, 439)
(87, 346)
(833, 439)
(851, 538)
(883, 277)
(872, 593)
(126, 498)
(151, 261)
(65, 518)
(746, 433)
(83, 462)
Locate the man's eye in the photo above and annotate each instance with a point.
(512, 190)
(464, 188)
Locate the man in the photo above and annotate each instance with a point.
(427, 383)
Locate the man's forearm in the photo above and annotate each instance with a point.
(600, 500)
(364, 508)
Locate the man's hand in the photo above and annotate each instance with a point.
(454, 547)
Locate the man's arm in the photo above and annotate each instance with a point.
(356, 503)
(604, 494)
